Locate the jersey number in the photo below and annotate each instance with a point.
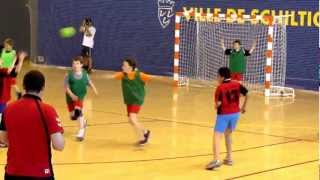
(232, 96)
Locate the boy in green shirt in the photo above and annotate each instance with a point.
(9, 57)
(133, 90)
(8, 54)
(237, 59)
(76, 82)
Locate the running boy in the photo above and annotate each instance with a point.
(237, 59)
(8, 56)
(227, 98)
(133, 90)
(76, 82)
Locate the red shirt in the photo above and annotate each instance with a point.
(5, 85)
(28, 152)
(228, 93)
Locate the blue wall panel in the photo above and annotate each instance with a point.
(131, 28)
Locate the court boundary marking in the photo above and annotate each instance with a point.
(173, 158)
(273, 169)
(185, 123)
(191, 124)
(195, 156)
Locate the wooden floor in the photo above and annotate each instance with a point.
(275, 141)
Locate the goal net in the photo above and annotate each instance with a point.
(199, 53)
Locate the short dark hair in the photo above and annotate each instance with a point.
(88, 20)
(132, 63)
(224, 72)
(237, 41)
(34, 81)
(78, 58)
(9, 41)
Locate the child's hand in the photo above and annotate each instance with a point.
(218, 104)
(243, 110)
(74, 98)
(254, 44)
(96, 92)
(22, 56)
(109, 76)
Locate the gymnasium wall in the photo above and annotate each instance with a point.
(132, 28)
(14, 23)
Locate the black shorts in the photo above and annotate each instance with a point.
(10, 177)
(86, 51)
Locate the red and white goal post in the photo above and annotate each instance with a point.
(198, 52)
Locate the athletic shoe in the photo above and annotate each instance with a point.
(213, 164)
(146, 138)
(82, 132)
(73, 118)
(228, 162)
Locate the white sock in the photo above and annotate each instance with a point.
(81, 132)
(82, 122)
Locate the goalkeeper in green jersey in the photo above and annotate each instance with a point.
(237, 59)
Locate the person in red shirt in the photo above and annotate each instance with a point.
(29, 127)
(6, 75)
(227, 100)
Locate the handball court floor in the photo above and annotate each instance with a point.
(275, 141)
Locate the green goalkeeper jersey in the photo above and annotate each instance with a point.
(237, 60)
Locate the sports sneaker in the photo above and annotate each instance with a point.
(213, 164)
(73, 118)
(82, 132)
(228, 162)
(146, 138)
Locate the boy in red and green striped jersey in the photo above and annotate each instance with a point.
(133, 91)
(237, 59)
(76, 82)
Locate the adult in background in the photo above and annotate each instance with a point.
(89, 32)
(29, 127)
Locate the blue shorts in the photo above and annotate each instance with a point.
(2, 107)
(225, 121)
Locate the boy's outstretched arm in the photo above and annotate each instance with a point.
(244, 105)
(222, 45)
(244, 92)
(158, 78)
(118, 76)
(253, 46)
(21, 57)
